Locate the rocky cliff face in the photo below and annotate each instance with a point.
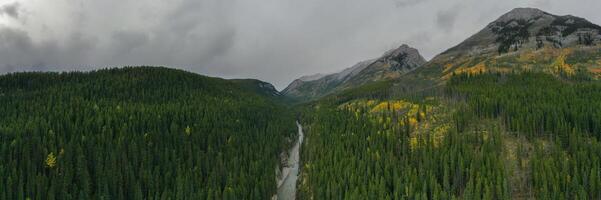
(528, 29)
(524, 39)
(390, 65)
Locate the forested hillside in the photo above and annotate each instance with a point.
(486, 136)
(137, 133)
(557, 122)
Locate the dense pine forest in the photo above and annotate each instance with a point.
(138, 133)
(559, 122)
(483, 136)
(158, 133)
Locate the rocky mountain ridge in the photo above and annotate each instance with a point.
(391, 64)
(524, 39)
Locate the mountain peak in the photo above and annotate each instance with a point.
(401, 50)
(525, 39)
(403, 58)
(522, 14)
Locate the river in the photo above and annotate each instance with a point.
(290, 172)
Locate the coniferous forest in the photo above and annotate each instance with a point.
(137, 133)
(483, 136)
(158, 133)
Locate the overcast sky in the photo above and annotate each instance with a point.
(272, 40)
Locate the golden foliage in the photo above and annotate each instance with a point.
(188, 131)
(414, 115)
(476, 69)
(412, 122)
(447, 67)
(371, 102)
(51, 160)
(395, 106)
(438, 134)
(560, 65)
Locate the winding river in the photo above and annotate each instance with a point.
(290, 172)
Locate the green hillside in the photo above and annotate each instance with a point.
(482, 136)
(137, 133)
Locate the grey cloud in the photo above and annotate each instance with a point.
(220, 45)
(405, 3)
(193, 34)
(420, 38)
(18, 52)
(542, 3)
(445, 19)
(273, 40)
(126, 41)
(11, 10)
(77, 52)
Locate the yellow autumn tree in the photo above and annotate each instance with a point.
(51, 160)
(188, 130)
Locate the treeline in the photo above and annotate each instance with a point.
(137, 133)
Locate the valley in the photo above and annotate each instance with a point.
(289, 176)
(512, 112)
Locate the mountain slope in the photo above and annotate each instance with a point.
(309, 87)
(389, 66)
(524, 39)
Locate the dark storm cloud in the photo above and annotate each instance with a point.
(11, 10)
(273, 40)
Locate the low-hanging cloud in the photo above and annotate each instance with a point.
(11, 10)
(445, 19)
(272, 40)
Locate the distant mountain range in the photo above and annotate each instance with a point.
(391, 65)
(524, 39)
